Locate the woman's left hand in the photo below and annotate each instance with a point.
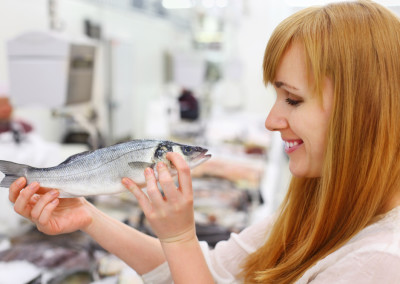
(171, 216)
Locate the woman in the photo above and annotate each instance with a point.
(336, 71)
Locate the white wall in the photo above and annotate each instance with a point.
(15, 17)
(150, 38)
(257, 24)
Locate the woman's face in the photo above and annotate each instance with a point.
(298, 114)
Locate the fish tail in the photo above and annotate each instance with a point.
(12, 172)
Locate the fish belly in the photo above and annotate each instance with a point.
(101, 180)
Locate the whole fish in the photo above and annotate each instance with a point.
(100, 171)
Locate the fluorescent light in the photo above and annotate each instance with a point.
(177, 4)
(222, 3)
(208, 3)
(306, 3)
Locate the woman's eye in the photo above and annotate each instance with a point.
(292, 102)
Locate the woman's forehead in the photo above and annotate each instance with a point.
(292, 69)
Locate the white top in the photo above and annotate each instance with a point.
(372, 256)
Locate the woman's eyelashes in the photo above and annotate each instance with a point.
(290, 99)
(293, 102)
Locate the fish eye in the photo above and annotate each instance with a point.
(160, 152)
(187, 150)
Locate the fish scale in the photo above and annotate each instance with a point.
(100, 171)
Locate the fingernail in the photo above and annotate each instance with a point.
(54, 192)
(20, 181)
(148, 171)
(161, 165)
(55, 201)
(126, 182)
(36, 197)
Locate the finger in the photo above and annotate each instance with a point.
(42, 203)
(15, 188)
(184, 177)
(47, 212)
(166, 182)
(43, 190)
(35, 198)
(21, 205)
(142, 198)
(152, 189)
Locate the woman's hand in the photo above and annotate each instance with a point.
(172, 219)
(171, 216)
(42, 206)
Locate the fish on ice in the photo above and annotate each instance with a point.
(100, 171)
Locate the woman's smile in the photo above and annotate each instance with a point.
(292, 145)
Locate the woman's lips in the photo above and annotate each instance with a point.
(292, 145)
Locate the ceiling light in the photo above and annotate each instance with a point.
(208, 3)
(222, 3)
(177, 4)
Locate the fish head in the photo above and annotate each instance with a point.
(193, 155)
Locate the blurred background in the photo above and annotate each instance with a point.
(78, 75)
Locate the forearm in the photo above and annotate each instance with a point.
(187, 263)
(141, 252)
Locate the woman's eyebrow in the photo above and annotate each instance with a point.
(280, 84)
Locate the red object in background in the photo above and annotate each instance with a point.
(5, 109)
(189, 107)
(8, 124)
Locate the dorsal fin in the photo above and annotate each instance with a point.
(75, 157)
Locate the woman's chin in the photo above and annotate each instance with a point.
(302, 172)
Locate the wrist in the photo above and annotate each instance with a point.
(184, 237)
(187, 253)
(93, 214)
(184, 245)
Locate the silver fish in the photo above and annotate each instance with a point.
(100, 171)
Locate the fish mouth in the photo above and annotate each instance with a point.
(200, 158)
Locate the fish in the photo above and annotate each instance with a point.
(100, 171)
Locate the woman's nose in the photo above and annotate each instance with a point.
(276, 120)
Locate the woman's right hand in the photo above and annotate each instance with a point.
(51, 215)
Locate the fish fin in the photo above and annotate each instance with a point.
(143, 165)
(12, 172)
(75, 157)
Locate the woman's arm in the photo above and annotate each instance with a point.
(54, 216)
(140, 251)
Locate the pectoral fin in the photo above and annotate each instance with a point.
(140, 165)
